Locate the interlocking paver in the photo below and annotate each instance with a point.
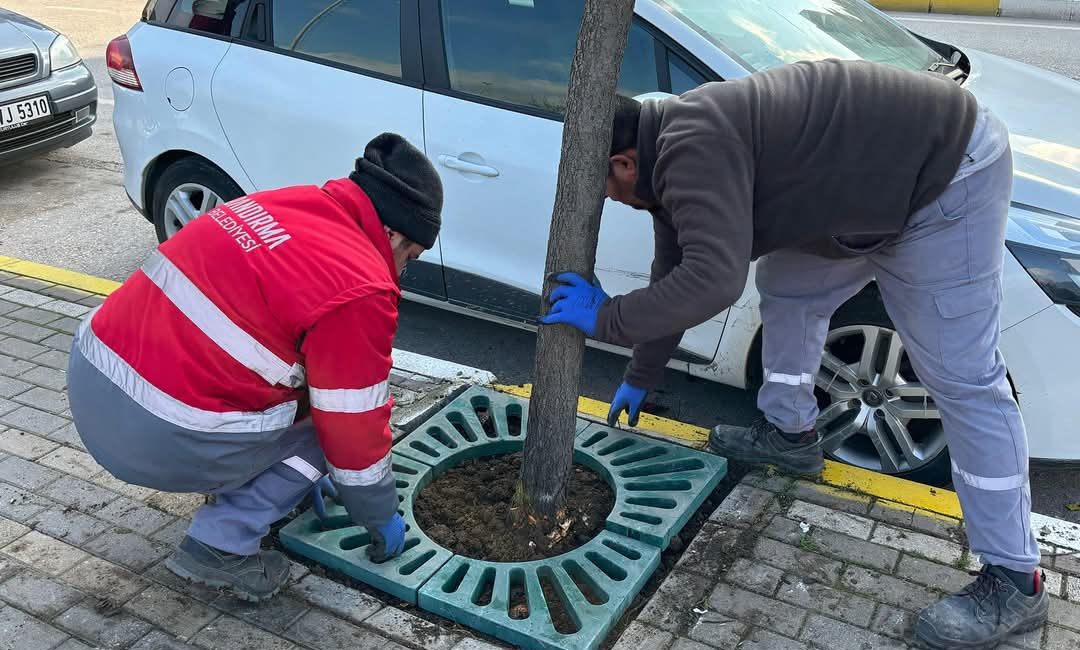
(50, 378)
(65, 293)
(672, 606)
(337, 598)
(21, 349)
(278, 613)
(33, 420)
(26, 474)
(841, 636)
(1054, 582)
(19, 504)
(171, 611)
(161, 574)
(1060, 639)
(476, 644)
(892, 513)
(407, 628)
(110, 482)
(8, 307)
(935, 524)
(59, 341)
(127, 548)
(173, 533)
(808, 566)
(31, 284)
(67, 435)
(158, 640)
(784, 530)
(91, 301)
(73, 644)
(44, 553)
(680, 644)
(718, 631)
(80, 494)
(887, 589)
(108, 629)
(38, 594)
(232, 633)
(744, 506)
(24, 444)
(26, 331)
(709, 554)
(12, 367)
(70, 526)
(755, 576)
(831, 602)
(840, 522)
(757, 610)
(176, 503)
(893, 622)
(44, 399)
(638, 636)
(766, 640)
(33, 315)
(1065, 614)
(65, 308)
(919, 544)
(830, 497)
(10, 531)
(11, 387)
(53, 359)
(19, 631)
(931, 574)
(855, 551)
(95, 575)
(72, 461)
(66, 324)
(134, 515)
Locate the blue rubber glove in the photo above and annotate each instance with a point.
(628, 398)
(322, 488)
(576, 302)
(387, 541)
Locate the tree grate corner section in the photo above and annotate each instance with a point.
(572, 600)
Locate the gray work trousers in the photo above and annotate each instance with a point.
(941, 284)
(256, 478)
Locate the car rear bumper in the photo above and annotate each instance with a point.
(73, 99)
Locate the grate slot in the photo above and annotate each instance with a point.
(438, 434)
(461, 426)
(659, 486)
(683, 465)
(456, 578)
(563, 617)
(653, 502)
(644, 454)
(590, 590)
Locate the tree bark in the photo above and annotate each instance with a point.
(575, 228)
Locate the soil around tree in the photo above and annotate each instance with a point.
(468, 510)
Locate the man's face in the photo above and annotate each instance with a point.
(405, 250)
(622, 178)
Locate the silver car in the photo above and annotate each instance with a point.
(48, 98)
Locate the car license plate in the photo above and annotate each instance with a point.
(19, 113)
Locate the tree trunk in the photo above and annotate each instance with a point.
(575, 228)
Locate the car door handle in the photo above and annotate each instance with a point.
(453, 162)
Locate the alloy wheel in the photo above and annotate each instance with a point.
(874, 411)
(185, 203)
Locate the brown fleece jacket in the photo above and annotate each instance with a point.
(792, 157)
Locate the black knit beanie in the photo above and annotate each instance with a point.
(403, 185)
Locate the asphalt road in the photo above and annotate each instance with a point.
(68, 209)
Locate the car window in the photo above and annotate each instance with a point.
(519, 51)
(221, 17)
(361, 33)
(683, 77)
(157, 10)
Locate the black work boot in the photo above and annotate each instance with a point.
(762, 443)
(983, 614)
(249, 577)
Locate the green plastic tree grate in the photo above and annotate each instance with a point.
(592, 586)
(658, 485)
(341, 545)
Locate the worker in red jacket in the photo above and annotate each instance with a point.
(250, 355)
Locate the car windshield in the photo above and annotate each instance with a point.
(763, 34)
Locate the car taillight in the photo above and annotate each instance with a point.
(121, 64)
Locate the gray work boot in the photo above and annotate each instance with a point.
(249, 577)
(762, 443)
(983, 614)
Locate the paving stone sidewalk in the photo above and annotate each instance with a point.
(781, 565)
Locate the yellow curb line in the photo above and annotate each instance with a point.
(99, 286)
(971, 7)
(907, 494)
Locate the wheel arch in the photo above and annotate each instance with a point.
(157, 167)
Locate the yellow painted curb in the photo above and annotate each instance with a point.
(973, 7)
(64, 277)
(853, 479)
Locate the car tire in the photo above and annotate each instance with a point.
(865, 316)
(186, 189)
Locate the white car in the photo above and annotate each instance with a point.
(215, 98)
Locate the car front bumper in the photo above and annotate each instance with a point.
(72, 97)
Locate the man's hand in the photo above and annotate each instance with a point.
(387, 541)
(628, 398)
(322, 489)
(576, 302)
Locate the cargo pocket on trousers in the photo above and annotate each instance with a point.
(967, 333)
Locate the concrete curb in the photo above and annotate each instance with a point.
(1068, 10)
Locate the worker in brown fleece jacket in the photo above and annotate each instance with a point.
(833, 175)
